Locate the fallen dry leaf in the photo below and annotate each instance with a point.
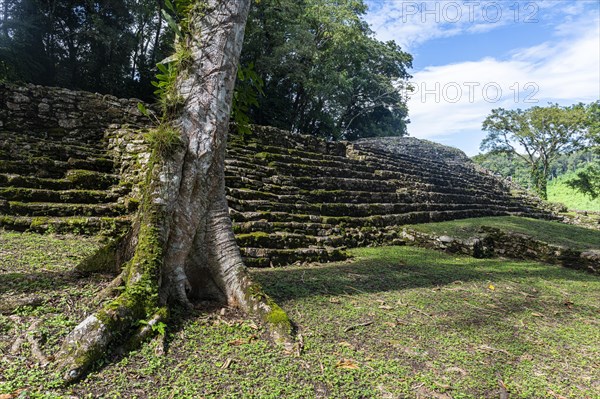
(555, 395)
(456, 370)
(252, 325)
(537, 314)
(424, 393)
(345, 344)
(237, 342)
(11, 395)
(569, 304)
(385, 307)
(503, 390)
(491, 349)
(334, 300)
(227, 363)
(347, 364)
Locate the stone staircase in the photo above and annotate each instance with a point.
(69, 163)
(294, 197)
(56, 172)
(49, 185)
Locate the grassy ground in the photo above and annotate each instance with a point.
(574, 237)
(559, 191)
(395, 322)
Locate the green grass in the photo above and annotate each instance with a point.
(559, 191)
(574, 237)
(441, 326)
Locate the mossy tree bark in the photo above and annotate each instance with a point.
(182, 248)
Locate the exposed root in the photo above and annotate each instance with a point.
(156, 325)
(16, 346)
(31, 335)
(33, 338)
(9, 305)
(112, 289)
(92, 337)
(160, 342)
(272, 316)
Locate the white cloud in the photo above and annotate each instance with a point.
(565, 69)
(413, 22)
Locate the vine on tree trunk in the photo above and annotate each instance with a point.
(181, 245)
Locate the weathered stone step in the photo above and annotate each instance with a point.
(61, 209)
(48, 168)
(39, 167)
(280, 138)
(12, 180)
(404, 158)
(66, 225)
(304, 228)
(17, 146)
(437, 180)
(74, 179)
(105, 165)
(282, 240)
(363, 197)
(298, 158)
(352, 210)
(321, 171)
(365, 185)
(254, 172)
(409, 163)
(335, 183)
(433, 171)
(375, 221)
(91, 179)
(235, 180)
(269, 257)
(257, 147)
(240, 217)
(331, 150)
(64, 196)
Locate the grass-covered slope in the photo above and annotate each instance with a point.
(395, 322)
(573, 237)
(559, 191)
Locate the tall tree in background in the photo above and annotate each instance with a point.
(587, 180)
(537, 136)
(324, 73)
(184, 246)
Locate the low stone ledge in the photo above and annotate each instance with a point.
(493, 242)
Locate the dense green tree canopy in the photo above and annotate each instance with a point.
(109, 46)
(324, 73)
(323, 70)
(512, 166)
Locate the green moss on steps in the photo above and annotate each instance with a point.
(90, 179)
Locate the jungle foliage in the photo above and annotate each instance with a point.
(324, 73)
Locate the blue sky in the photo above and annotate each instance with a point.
(473, 56)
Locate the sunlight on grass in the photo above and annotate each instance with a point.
(559, 191)
(574, 237)
(394, 322)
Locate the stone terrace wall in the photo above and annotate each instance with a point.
(53, 111)
(70, 162)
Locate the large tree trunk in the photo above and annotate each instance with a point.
(185, 249)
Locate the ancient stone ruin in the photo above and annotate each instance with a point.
(70, 162)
